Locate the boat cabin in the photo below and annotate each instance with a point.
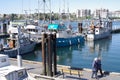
(10, 72)
(13, 27)
(61, 30)
(32, 29)
(56, 27)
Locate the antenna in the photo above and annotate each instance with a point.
(50, 10)
(38, 9)
(60, 10)
(68, 10)
(64, 6)
(22, 6)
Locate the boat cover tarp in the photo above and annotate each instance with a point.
(53, 26)
(56, 27)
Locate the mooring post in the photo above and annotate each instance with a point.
(50, 54)
(80, 27)
(44, 52)
(54, 55)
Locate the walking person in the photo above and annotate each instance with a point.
(94, 68)
(99, 66)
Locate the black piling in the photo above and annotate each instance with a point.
(49, 54)
(44, 35)
(55, 54)
(80, 29)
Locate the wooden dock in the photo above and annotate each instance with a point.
(35, 69)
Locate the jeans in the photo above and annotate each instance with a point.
(99, 69)
(94, 73)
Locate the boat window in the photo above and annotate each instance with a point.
(96, 30)
(3, 60)
(36, 30)
(20, 74)
(14, 25)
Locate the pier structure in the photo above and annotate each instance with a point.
(35, 68)
(49, 54)
(80, 29)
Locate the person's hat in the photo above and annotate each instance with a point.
(95, 59)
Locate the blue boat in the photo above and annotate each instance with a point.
(65, 36)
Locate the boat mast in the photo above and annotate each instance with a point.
(22, 6)
(68, 14)
(64, 6)
(100, 19)
(38, 9)
(50, 11)
(60, 18)
(44, 1)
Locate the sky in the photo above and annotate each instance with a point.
(31, 6)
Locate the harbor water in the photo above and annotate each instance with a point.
(82, 55)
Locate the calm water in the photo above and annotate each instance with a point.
(82, 55)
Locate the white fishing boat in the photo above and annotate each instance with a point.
(11, 72)
(34, 32)
(13, 27)
(99, 29)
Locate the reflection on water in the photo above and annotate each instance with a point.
(82, 55)
(64, 55)
(99, 46)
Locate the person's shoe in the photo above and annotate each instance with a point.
(102, 75)
(91, 77)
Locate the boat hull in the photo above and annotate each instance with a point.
(92, 37)
(63, 42)
(22, 50)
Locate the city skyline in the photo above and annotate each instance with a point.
(19, 6)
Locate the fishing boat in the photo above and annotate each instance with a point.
(65, 36)
(34, 32)
(13, 26)
(99, 29)
(18, 44)
(11, 72)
